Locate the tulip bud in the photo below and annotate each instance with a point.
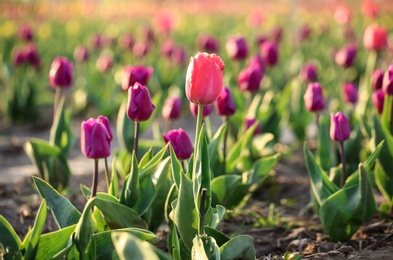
(208, 43)
(378, 100)
(313, 98)
(172, 108)
(224, 103)
(269, 52)
(340, 129)
(96, 137)
(204, 78)
(104, 63)
(60, 74)
(309, 72)
(250, 79)
(25, 33)
(81, 54)
(138, 73)
(237, 47)
(377, 79)
(139, 106)
(206, 109)
(346, 56)
(375, 37)
(350, 93)
(249, 122)
(180, 142)
(387, 82)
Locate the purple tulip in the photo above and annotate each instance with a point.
(141, 49)
(378, 100)
(313, 98)
(346, 56)
(32, 56)
(309, 72)
(269, 52)
(350, 93)
(208, 43)
(261, 39)
(206, 109)
(104, 63)
(249, 122)
(60, 74)
(237, 47)
(304, 32)
(81, 54)
(340, 129)
(180, 142)
(25, 33)
(127, 41)
(139, 105)
(148, 34)
(18, 57)
(172, 108)
(96, 137)
(167, 48)
(224, 104)
(133, 74)
(250, 79)
(377, 79)
(257, 60)
(387, 83)
(178, 56)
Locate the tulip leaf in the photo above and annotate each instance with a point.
(53, 243)
(325, 155)
(87, 193)
(145, 158)
(321, 186)
(84, 229)
(64, 213)
(220, 237)
(216, 162)
(113, 188)
(9, 239)
(345, 211)
(214, 216)
(60, 133)
(177, 170)
(131, 190)
(149, 167)
(205, 247)
(261, 168)
(228, 190)
(123, 162)
(125, 129)
(31, 242)
(148, 193)
(239, 247)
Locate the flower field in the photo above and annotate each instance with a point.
(196, 130)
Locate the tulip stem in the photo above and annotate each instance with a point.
(57, 101)
(108, 178)
(198, 126)
(201, 227)
(224, 146)
(136, 138)
(95, 179)
(344, 171)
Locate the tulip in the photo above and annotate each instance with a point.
(60, 74)
(167, 48)
(81, 54)
(165, 22)
(104, 63)
(387, 82)
(139, 106)
(178, 56)
(96, 137)
(255, 18)
(257, 60)
(127, 41)
(32, 56)
(18, 58)
(313, 98)
(261, 39)
(204, 78)
(309, 72)
(140, 49)
(250, 79)
(375, 38)
(342, 15)
(304, 32)
(346, 56)
(148, 34)
(172, 108)
(133, 74)
(251, 121)
(180, 142)
(378, 98)
(224, 103)
(340, 131)
(237, 47)
(350, 93)
(208, 43)
(377, 79)
(25, 33)
(269, 52)
(207, 110)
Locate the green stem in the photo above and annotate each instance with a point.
(390, 99)
(108, 178)
(57, 101)
(201, 227)
(198, 127)
(95, 179)
(344, 170)
(136, 138)
(224, 146)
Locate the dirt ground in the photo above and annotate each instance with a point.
(276, 216)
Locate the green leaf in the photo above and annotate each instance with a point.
(123, 162)
(53, 243)
(145, 158)
(113, 188)
(61, 133)
(216, 163)
(239, 247)
(262, 167)
(9, 239)
(147, 195)
(87, 193)
(220, 237)
(321, 186)
(64, 213)
(177, 170)
(84, 229)
(125, 129)
(33, 240)
(228, 190)
(205, 248)
(149, 167)
(325, 155)
(130, 247)
(131, 189)
(345, 211)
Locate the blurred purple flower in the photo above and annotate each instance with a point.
(309, 72)
(237, 47)
(224, 104)
(378, 98)
(180, 142)
(249, 79)
(172, 108)
(133, 74)
(350, 93)
(208, 43)
(249, 122)
(207, 110)
(377, 79)
(313, 98)
(81, 54)
(269, 52)
(346, 56)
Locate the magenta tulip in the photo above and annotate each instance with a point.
(18, 57)
(25, 33)
(60, 74)
(180, 142)
(377, 79)
(32, 56)
(127, 41)
(375, 38)
(204, 79)
(207, 110)
(378, 100)
(350, 93)
(249, 122)
(81, 54)
(96, 137)
(313, 98)
(308, 72)
(257, 60)
(133, 74)
(224, 104)
(346, 56)
(340, 129)
(172, 108)
(139, 106)
(104, 63)
(237, 47)
(250, 79)
(387, 82)
(208, 43)
(269, 52)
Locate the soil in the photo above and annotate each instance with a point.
(276, 216)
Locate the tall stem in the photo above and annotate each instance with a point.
(224, 146)
(95, 179)
(136, 138)
(390, 112)
(108, 178)
(198, 127)
(344, 170)
(57, 101)
(201, 226)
